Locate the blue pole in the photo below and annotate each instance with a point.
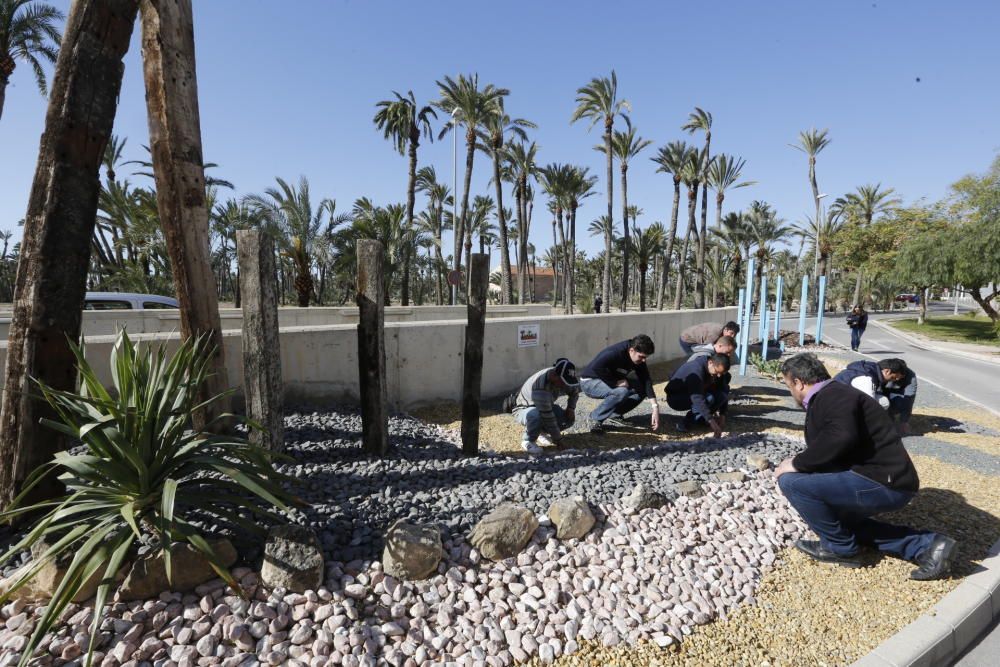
(802, 309)
(745, 324)
(777, 308)
(765, 319)
(762, 309)
(739, 320)
(822, 309)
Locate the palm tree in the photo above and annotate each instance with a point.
(385, 225)
(403, 123)
(596, 101)
(701, 121)
(723, 174)
(812, 142)
(821, 236)
(438, 198)
(522, 167)
(578, 186)
(27, 32)
(492, 135)
(863, 206)
(646, 245)
(733, 237)
(471, 107)
(479, 222)
(625, 146)
(671, 159)
(290, 209)
(555, 180)
(692, 171)
(765, 229)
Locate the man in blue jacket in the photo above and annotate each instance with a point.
(854, 467)
(701, 386)
(889, 381)
(619, 376)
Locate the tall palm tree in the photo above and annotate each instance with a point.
(765, 229)
(492, 135)
(555, 180)
(692, 172)
(403, 123)
(438, 198)
(646, 245)
(812, 142)
(734, 240)
(821, 236)
(385, 225)
(578, 186)
(701, 121)
(290, 209)
(27, 32)
(479, 221)
(723, 174)
(521, 164)
(597, 101)
(671, 159)
(862, 206)
(470, 107)
(625, 145)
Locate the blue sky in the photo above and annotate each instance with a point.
(289, 89)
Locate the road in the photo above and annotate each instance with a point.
(971, 379)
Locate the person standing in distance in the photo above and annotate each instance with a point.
(858, 322)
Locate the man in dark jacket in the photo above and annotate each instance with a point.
(889, 381)
(854, 466)
(858, 322)
(701, 386)
(619, 376)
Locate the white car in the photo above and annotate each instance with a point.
(127, 301)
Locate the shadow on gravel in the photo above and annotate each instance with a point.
(929, 424)
(947, 512)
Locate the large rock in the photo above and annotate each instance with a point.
(689, 488)
(188, 567)
(572, 517)
(412, 551)
(504, 532)
(644, 497)
(293, 559)
(734, 477)
(758, 461)
(44, 584)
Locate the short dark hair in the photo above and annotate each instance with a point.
(642, 344)
(727, 340)
(732, 326)
(805, 367)
(894, 365)
(720, 360)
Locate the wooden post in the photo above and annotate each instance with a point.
(175, 142)
(371, 347)
(261, 345)
(472, 375)
(55, 253)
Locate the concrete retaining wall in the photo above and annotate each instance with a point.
(424, 359)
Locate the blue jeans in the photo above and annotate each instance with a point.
(838, 506)
(717, 402)
(617, 400)
(856, 338)
(686, 346)
(901, 406)
(532, 420)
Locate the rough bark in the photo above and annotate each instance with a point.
(175, 143)
(606, 285)
(668, 254)
(55, 251)
(506, 288)
(411, 195)
(262, 383)
(472, 374)
(815, 190)
(522, 246)
(371, 348)
(462, 223)
(3, 95)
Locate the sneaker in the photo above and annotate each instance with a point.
(544, 441)
(531, 447)
(615, 422)
(598, 427)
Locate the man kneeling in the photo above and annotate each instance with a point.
(701, 386)
(854, 466)
(535, 405)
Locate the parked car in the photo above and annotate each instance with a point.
(127, 301)
(906, 298)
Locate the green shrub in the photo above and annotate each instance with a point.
(141, 477)
(770, 368)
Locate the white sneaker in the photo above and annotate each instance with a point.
(531, 447)
(543, 440)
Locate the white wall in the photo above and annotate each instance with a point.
(424, 359)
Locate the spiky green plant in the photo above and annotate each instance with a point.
(142, 477)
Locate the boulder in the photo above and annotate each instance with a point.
(504, 532)
(734, 477)
(147, 577)
(689, 488)
(758, 461)
(572, 517)
(643, 497)
(411, 551)
(293, 559)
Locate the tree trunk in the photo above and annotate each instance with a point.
(522, 246)
(668, 254)
(55, 251)
(572, 259)
(371, 348)
(679, 291)
(985, 302)
(563, 259)
(719, 198)
(625, 245)
(438, 236)
(699, 287)
(606, 286)
(472, 367)
(175, 141)
(815, 190)
(411, 193)
(506, 287)
(642, 288)
(3, 94)
(857, 288)
(462, 224)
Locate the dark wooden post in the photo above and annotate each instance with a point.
(59, 223)
(261, 345)
(371, 347)
(175, 142)
(472, 375)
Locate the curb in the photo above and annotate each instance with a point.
(939, 636)
(927, 344)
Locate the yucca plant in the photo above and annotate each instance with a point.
(141, 476)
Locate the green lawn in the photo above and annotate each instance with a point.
(960, 329)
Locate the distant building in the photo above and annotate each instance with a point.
(541, 283)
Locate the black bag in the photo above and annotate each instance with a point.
(510, 402)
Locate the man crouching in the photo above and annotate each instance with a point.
(535, 405)
(854, 466)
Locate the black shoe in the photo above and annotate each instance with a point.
(816, 550)
(598, 428)
(615, 422)
(935, 561)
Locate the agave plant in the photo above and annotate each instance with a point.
(141, 476)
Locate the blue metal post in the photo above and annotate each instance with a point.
(822, 309)
(777, 308)
(745, 324)
(739, 320)
(762, 309)
(802, 309)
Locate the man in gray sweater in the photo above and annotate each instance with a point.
(706, 334)
(535, 405)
